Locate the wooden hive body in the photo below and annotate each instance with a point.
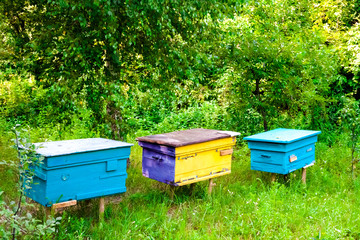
(79, 169)
(189, 161)
(282, 150)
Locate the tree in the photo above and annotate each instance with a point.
(93, 48)
(278, 61)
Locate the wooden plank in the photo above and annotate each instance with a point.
(311, 164)
(188, 178)
(203, 178)
(64, 204)
(226, 152)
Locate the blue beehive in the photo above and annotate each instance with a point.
(79, 169)
(282, 150)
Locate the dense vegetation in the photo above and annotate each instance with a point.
(122, 69)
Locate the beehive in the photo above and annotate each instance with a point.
(79, 169)
(282, 150)
(184, 157)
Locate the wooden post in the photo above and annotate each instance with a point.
(87, 202)
(192, 187)
(101, 208)
(286, 177)
(303, 176)
(47, 211)
(211, 184)
(172, 192)
(273, 177)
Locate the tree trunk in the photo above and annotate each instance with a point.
(113, 113)
(263, 114)
(260, 107)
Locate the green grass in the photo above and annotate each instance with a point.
(244, 204)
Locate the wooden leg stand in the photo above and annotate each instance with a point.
(101, 208)
(286, 177)
(211, 184)
(192, 187)
(303, 176)
(87, 202)
(47, 211)
(273, 177)
(172, 192)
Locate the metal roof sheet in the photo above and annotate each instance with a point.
(66, 147)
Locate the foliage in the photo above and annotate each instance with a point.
(26, 225)
(15, 91)
(13, 220)
(71, 47)
(349, 117)
(278, 63)
(348, 51)
(333, 16)
(135, 63)
(28, 160)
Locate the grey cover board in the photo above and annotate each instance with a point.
(187, 137)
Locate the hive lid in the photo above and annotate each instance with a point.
(187, 137)
(66, 147)
(282, 135)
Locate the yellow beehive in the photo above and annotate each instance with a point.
(184, 157)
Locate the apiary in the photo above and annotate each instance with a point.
(188, 156)
(282, 150)
(79, 169)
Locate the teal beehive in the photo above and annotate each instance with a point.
(79, 169)
(282, 150)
